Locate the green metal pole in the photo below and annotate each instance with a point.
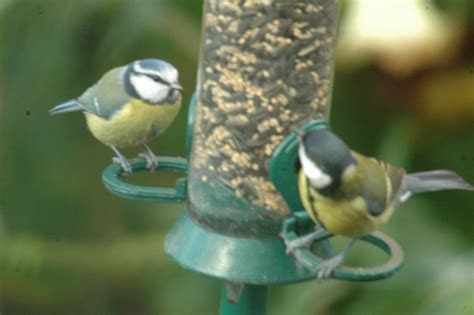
(252, 301)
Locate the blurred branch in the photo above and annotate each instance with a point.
(125, 256)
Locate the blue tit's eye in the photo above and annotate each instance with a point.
(158, 79)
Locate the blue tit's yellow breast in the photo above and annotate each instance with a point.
(136, 122)
(343, 217)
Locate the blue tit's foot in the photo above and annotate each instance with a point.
(125, 164)
(325, 269)
(304, 241)
(120, 159)
(150, 158)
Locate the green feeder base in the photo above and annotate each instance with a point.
(242, 260)
(252, 301)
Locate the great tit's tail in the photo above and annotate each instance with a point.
(431, 181)
(66, 107)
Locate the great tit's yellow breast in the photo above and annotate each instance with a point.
(348, 218)
(134, 123)
(343, 217)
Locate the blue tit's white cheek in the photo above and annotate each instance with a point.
(316, 176)
(148, 89)
(169, 74)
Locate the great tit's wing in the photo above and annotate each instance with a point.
(107, 97)
(378, 183)
(394, 177)
(431, 181)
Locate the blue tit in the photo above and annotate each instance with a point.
(352, 195)
(130, 105)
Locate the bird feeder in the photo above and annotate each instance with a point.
(266, 67)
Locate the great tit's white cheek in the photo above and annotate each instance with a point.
(316, 176)
(148, 89)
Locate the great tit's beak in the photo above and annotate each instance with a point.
(299, 133)
(177, 86)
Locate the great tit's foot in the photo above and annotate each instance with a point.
(327, 266)
(150, 158)
(293, 245)
(304, 241)
(125, 164)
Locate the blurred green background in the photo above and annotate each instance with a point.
(403, 92)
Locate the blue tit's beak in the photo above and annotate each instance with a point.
(177, 86)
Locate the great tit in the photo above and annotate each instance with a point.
(351, 195)
(130, 105)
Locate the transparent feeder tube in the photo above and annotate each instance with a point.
(265, 68)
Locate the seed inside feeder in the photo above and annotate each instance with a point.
(266, 67)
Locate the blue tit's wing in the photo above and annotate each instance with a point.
(66, 107)
(107, 97)
(88, 100)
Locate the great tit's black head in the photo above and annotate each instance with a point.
(153, 81)
(325, 159)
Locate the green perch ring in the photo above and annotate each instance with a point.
(312, 261)
(116, 184)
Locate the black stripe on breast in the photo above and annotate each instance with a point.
(312, 202)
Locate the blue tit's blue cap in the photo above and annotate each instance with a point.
(155, 67)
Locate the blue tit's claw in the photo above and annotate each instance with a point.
(120, 159)
(327, 266)
(151, 160)
(125, 164)
(150, 157)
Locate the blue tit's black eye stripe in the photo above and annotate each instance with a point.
(158, 79)
(129, 88)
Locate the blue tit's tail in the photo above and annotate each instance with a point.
(69, 106)
(431, 181)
